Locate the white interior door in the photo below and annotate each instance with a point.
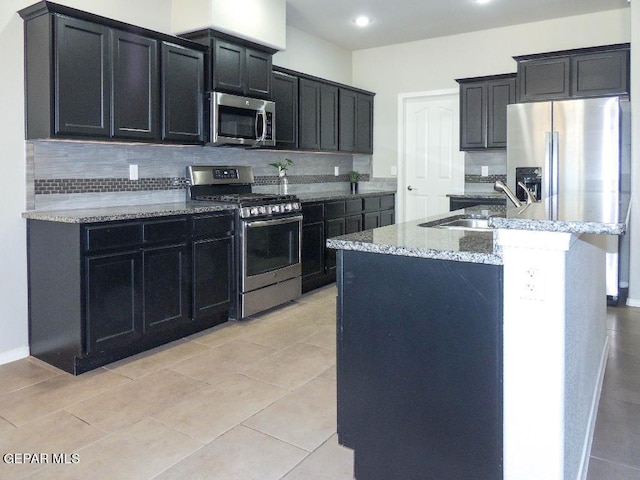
(430, 162)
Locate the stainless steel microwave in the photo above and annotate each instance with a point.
(239, 120)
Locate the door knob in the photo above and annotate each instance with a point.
(410, 188)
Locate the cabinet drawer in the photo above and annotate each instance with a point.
(312, 213)
(353, 206)
(334, 209)
(212, 226)
(371, 204)
(387, 202)
(165, 230)
(113, 236)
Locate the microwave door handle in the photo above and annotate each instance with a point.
(261, 118)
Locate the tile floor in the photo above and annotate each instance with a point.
(253, 400)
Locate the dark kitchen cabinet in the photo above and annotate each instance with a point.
(332, 218)
(237, 65)
(90, 77)
(458, 203)
(285, 96)
(212, 266)
(318, 116)
(578, 73)
(82, 77)
(483, 111)
(182, 94)
(135, 86)
(113, 308)
(123, 287)
(356, 121)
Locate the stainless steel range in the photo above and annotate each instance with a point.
(268, 230)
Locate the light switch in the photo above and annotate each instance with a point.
(336, 171)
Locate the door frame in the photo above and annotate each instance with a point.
(402, 99)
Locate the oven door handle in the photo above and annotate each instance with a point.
(276, 221)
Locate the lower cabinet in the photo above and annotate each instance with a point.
(114, 289)
(332, 218)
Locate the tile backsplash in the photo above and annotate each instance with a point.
(73, 174)
(496, 163)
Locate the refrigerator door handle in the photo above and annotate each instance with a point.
(548, 166)
(555, 163)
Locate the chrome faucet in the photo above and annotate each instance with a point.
(500, 186)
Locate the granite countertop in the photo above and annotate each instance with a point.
(409, 239)
(340, 195)
(129, 212)
(587, 213)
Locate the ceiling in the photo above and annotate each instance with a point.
(399, 21)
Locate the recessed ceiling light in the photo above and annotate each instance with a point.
(481, 2)
(362, 21)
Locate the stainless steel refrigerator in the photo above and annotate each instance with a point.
(572, 147)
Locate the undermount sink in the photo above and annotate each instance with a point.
(466, 223)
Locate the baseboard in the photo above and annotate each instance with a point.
(593, 413)
(13, 355)
(632, 302)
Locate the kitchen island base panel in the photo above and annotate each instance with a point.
(420, 367)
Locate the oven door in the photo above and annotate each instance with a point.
(270, 251)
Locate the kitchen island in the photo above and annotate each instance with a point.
(466, 354)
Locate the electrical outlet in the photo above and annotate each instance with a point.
(532, 285)
(394, 171)
(336, 171)
(484, 171)
(133, 172)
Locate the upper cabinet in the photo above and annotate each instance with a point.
(237, 66)
(585, 72)
(330, 117)
(92, 77)
(483, 111)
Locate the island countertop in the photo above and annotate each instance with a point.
(588, 214)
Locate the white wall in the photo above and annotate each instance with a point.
(261, 21)
(435, 64)
(315, 56)
(634, 270)
(153, 14)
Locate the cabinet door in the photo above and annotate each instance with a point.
(473, 115)
(544, 79)
(285, 96)
(135, 86)
(348, 115)
(387, 217)
(598, 74)
(166, 287)
(500, 93)
(182, 94)
(312, 250)
(309, 114)
(353, 224)
(364, 123)
(82, 82)
(212, 269)
(112, 303)
(328, 117)
(228, 67)
(371, 220)
(258, 74)
(333, 228)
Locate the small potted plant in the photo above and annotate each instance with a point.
(283, 181)
(353, 178)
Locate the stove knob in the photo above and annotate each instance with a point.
(288, 207)
(253, 211)
(262, 210)
(276, 209)
(296, 206)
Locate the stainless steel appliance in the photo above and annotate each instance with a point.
(569, 147)
(236, 120)
(268, 230)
